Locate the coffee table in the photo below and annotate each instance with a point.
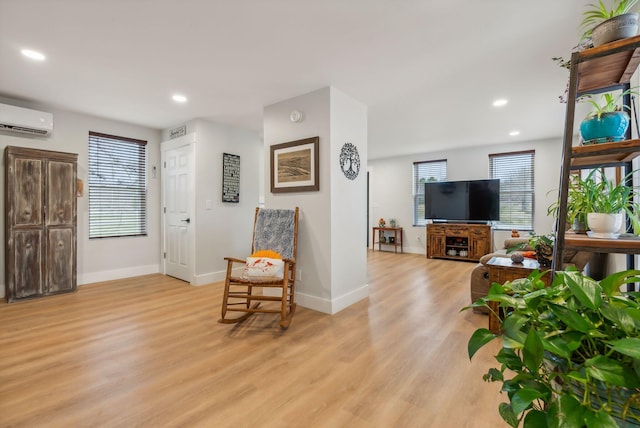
(501, 270)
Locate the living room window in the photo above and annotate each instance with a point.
(435, 170)
(117, 186)
(515, 171)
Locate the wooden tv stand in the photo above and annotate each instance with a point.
(456, 241)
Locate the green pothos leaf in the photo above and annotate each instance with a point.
(611, 371)
(585, 289)
(599, 419)
(571, 318)
(629, 346)
(508, 415)
(533, 351)
(535, 419)
(478, 339)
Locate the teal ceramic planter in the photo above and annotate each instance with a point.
(610, 127)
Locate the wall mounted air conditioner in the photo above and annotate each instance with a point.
(24, 120)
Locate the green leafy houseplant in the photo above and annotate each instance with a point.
(597, 13)
(576, 205)
(598, 194)
(570, 353)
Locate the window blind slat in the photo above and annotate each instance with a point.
(516, 174)
(117, 186)
(435, 170)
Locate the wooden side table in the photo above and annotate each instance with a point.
(379, 232)
(501, 270)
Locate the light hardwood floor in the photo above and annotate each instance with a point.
(149, 352)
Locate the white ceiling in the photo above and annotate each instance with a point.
(427, 70)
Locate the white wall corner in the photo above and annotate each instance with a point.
(209, 278)
(314, 303)
(334, 306)
(349, 298)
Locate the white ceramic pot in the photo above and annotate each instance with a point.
(604, 225)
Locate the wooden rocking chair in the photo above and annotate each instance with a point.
(275, 230)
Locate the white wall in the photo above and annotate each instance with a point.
(225, 230)
(348, 204)
(391, 184)
(99, 259)
(332, 229)
(314, 238)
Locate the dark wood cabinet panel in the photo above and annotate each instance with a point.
(26, 196)
(61, 193)
(27, 263)
(40, 222)
(60, 267)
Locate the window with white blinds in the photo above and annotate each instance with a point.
(435, 170)
(117, 186)
(515, 171)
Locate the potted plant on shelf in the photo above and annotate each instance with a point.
(606, 204)
(608, 121)
(605, 24)
(570, 352)
(576, 207)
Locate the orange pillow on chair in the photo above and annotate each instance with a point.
(264, 263)
(267, 253)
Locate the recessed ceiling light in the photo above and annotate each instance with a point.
(500, 102)
(33, 54)
(179, 98)
(514, 133)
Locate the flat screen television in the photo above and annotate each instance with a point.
(472, 201)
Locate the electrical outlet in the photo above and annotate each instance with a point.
(299, 274)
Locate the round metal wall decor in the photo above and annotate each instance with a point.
(350, 161)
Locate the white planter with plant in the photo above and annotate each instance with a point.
(600, 195)
(605, 225)
(606, 25)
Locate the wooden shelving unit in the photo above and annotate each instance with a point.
(606, 154)
(596, 70)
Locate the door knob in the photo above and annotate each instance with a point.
(187, 220)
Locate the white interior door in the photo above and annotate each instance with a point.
(178, 211)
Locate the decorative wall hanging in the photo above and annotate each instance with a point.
(295, 166)
(230, 178)
(178, 132)
(350, 161)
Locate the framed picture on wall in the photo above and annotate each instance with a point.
(230, 178)
(295, 166)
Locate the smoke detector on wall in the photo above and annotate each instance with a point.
(296, 116)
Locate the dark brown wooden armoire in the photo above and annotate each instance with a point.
(40, 222)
